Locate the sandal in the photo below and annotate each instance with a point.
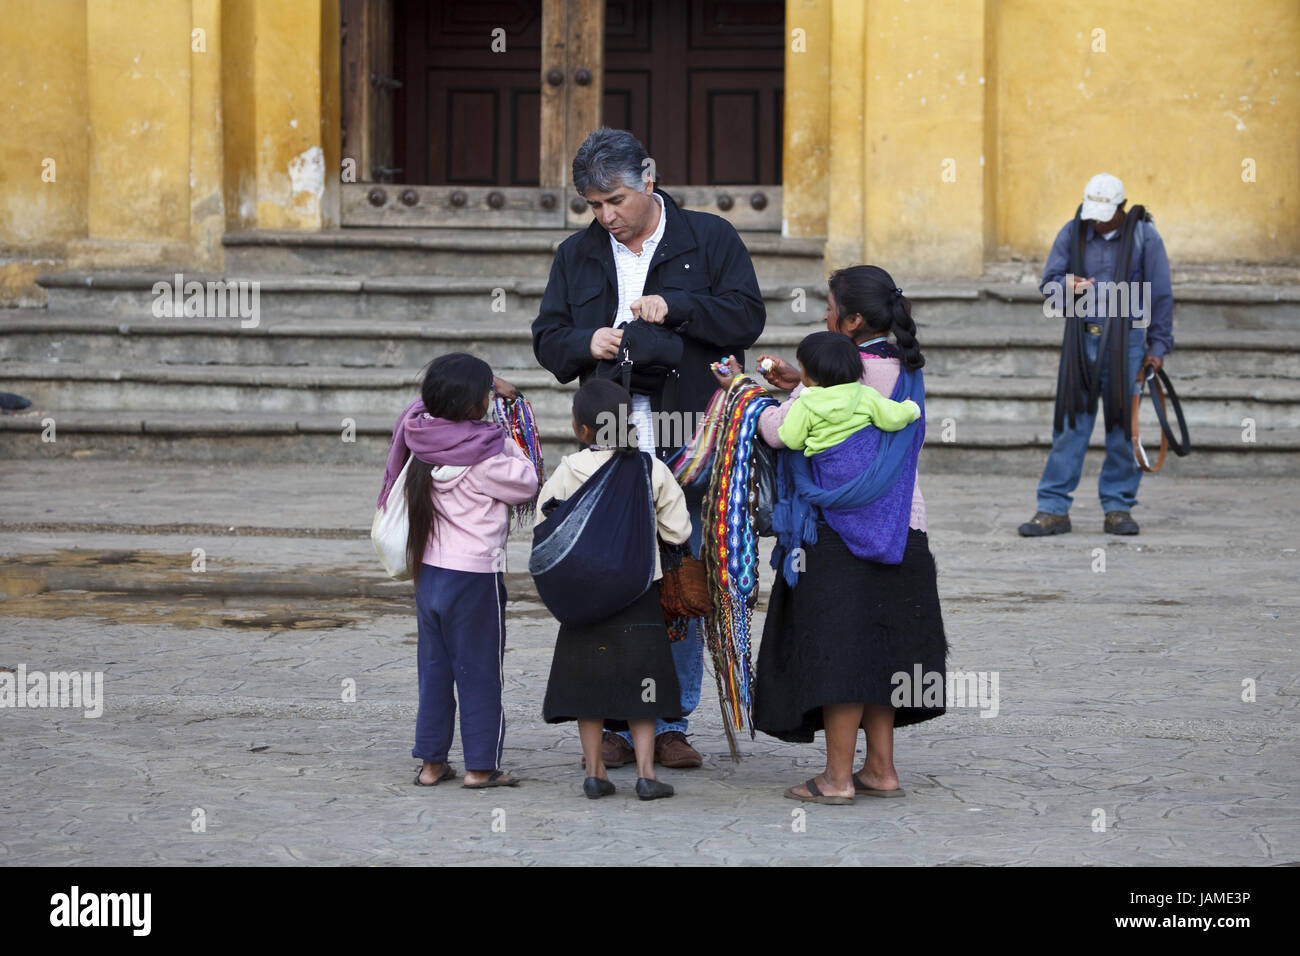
(862, 788)
(816, 796)
(499, 778)
(447, 774)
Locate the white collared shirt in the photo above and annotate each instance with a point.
(631, 270)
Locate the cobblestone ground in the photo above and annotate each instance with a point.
(1120, 692)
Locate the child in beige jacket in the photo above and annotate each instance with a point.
(618, 671)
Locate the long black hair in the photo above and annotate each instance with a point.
(869, 291)
(453, 388)
(597, 405)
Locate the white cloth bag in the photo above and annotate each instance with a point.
(389, 529)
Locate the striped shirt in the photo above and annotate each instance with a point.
(631, 269)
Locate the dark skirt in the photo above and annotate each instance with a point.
(843, 632)
(600, 671)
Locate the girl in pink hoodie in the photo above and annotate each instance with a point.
(459, 490)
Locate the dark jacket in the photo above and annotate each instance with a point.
(702, 270)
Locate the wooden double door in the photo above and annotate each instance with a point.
(470, 112)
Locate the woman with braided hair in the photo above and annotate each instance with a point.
(857, 602)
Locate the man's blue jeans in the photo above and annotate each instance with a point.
(1120, 473)
(688, 654)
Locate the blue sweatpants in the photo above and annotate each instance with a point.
(461, 617)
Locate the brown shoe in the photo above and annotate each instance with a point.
(672, 750)
(615, 751)
(1120, 522)
(1045, 523)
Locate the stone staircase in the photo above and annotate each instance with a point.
(348, 318)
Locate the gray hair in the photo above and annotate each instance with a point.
(607, 159)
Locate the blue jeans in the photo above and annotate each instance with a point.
(688, 654)
(1120, 473)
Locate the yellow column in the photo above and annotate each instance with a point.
(925, 167)
(207, 205)
(805, 154)
(43, 141)
(274, 127)
(845, 193)
(138, 99)
(331, 109)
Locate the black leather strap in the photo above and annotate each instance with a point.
(1162, 394)
(1181, 446)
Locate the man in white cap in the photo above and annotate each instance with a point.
(1084, 268)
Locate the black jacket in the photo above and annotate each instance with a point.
(702, 270)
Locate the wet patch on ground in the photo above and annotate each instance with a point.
(166, 574)
(139, 586)
(199, 611)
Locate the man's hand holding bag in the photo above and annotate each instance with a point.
(648, 355)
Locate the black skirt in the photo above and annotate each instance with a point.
(616, 670)
(843, 632)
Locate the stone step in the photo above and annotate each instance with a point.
(465, 302)
(453, 301)
(1224, 308)
(154, 435)
(974, 399)
(464, 252)
(30, 335)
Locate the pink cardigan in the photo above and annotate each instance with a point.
(881, 374)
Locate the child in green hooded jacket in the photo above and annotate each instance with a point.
(834, 404)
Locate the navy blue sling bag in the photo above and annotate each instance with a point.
(594, 553)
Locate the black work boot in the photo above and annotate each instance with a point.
(1045, 523)
(1120, 522)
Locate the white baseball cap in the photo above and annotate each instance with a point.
(1101, 197)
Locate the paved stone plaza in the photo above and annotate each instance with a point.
(1120, 691)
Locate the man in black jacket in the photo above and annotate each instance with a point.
(646, 258)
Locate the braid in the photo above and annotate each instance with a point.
(870, 291)
(904, 330)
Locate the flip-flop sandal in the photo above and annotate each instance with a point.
(493, 781)
(817, 796)
(862, 788)
(447, 774)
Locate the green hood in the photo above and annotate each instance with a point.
(821, 418)
(838, 404)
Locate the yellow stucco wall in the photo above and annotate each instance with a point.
(846, 186)
(139, 113)
(207, 138)
(238, 114)
(924, 169)
(162, 137)
(275, 94)
(1183, 93)
(1015, 95)
(331, 109)
(927, 135)
(805, 155)
(43, 98)
(43, 116)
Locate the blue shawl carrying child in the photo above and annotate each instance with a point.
(870, 508)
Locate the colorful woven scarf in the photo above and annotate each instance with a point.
(517, 418)
(730, 551)
(691, 464)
